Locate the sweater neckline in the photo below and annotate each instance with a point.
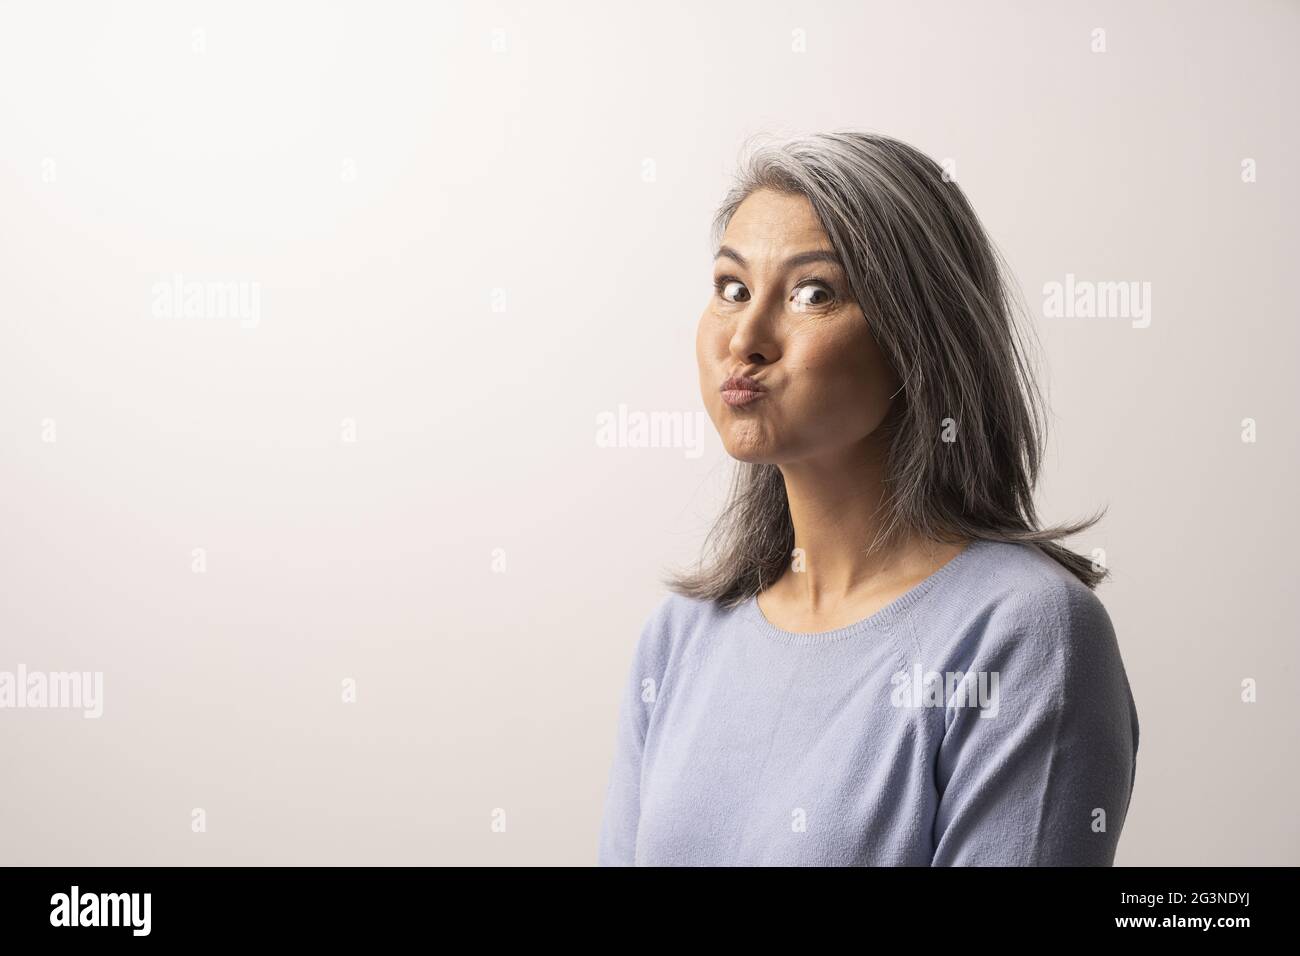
(879, 618)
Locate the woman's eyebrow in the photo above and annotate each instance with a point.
(800, 259)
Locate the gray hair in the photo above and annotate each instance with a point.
(943, 312)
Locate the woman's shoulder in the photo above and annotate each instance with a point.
(676, 616)
(1013, 603)
(1021, 581)
(675, 621)
(671, 621)
(1050, 640)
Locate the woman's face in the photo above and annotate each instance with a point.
(782, 315)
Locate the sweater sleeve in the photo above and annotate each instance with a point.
(622, 810)
(1043, 776)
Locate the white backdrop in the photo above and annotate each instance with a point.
(358, 570)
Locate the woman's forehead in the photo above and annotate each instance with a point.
(768, 221)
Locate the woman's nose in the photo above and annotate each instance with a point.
(755, 339)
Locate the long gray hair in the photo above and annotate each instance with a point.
(943, 312)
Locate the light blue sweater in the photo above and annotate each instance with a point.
(983, 718)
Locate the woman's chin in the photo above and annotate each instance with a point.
(752, 449)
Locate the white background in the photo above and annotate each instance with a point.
(379, 170)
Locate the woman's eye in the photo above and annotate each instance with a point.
(812, 295)
(733, 290)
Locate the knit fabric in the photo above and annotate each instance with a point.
(982, 718)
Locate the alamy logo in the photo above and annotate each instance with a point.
(179, 299)
(75, 690)
(950, 689)
(632, 429)
(102, 909)
(1084, 299)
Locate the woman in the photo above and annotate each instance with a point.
(885, 660)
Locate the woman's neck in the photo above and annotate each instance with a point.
(837, 509)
